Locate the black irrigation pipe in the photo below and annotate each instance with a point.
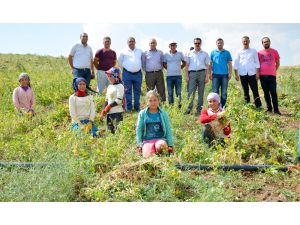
(26, 165)
(234, 167)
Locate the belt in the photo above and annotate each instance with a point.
(196, 70)
(154, 71)
(82, 68)
(134, 73)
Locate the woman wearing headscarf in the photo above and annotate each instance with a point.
(113, 107)
(82, 108)
(23, 96)
(215, 123)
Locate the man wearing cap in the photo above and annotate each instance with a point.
(246, 68)
(152, 62)
(81, 59)
(105, 58)
(269, 63)
(220, 70)
(130, 60)
(174, 61)
(196, 71)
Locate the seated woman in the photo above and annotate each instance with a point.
(216, 126)
(82, 108)
(153, 131)
(23, 96)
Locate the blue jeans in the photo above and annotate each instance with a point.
(132, 80)
(102, 81)
(220, 81)
(174, 82)
(85, 73)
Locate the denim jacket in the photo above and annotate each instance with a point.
(141, 126)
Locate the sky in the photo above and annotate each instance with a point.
(57, 39)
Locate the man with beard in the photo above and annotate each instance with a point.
(269, 63)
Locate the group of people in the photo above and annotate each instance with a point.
(154, 131)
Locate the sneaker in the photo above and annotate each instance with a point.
(278, 112)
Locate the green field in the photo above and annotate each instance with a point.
(108, 169)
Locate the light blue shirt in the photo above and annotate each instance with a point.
(220, 61)
(174, 63)
(152, 60)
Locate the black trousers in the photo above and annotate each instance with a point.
(252, 82)
(268, 84)
(110, 121)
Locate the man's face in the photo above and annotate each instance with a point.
(266, 43)
(106, 43)
(197, 44)
(153, 44)
(173, 47)
(84, 38)
(131, 43)
(220, 44)
(246, 42)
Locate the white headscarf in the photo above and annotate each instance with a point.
(213, 96)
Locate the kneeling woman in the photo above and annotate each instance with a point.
(216, 127)
(153, 131)
(82, 108)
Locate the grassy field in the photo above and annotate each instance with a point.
(107, 168)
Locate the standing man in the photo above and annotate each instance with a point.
(196, 71)
(221, 70)
(173, 62)
(105, 59)
(269, 63)
(81, 60)
(152, 61)
(130, 60)
(246, 68)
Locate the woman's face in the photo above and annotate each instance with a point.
(213, 104)
(82, 86)
(110, 79)
(24, 82)
(153, 102)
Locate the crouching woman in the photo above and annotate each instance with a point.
(216, 126)
(153, 131)
(82, 108)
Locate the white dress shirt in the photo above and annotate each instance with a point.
(246, 62)
(197, 60)
(131, 60)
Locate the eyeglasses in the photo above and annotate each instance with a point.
(197, 43)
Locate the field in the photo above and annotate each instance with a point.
(107, 169)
